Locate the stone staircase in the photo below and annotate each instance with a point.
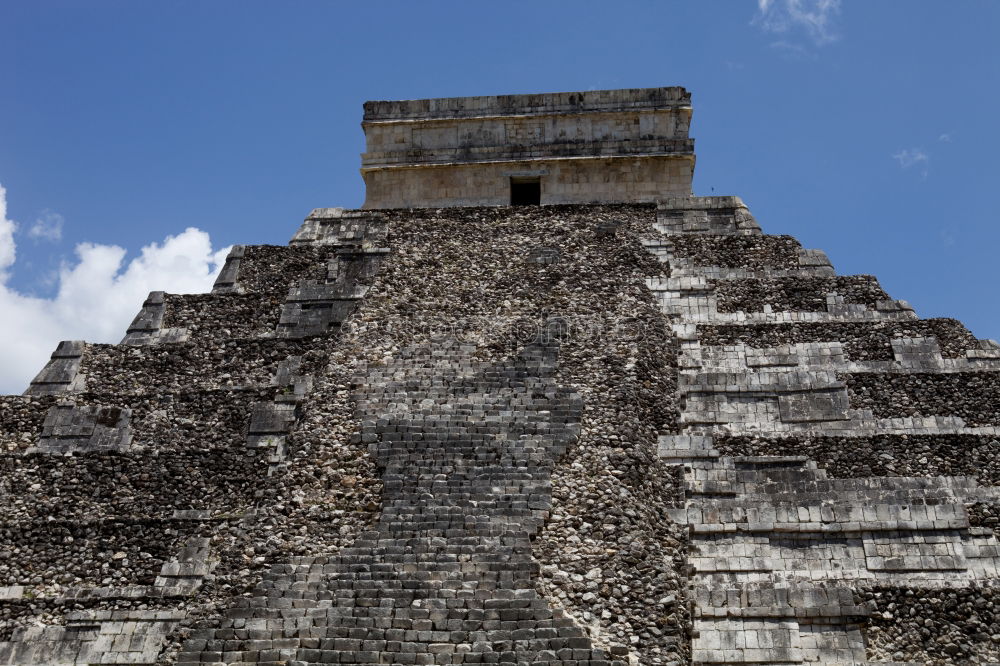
(447, 575)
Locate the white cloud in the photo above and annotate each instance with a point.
(816, 18)
(913, 157)
(48, 226)
(96, 298)
(8, 251)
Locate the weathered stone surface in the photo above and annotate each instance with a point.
(861, 341)
(787, 564)
(69, 427)
(62, 373)
(570, 434)
(147, 327)
(593, 146)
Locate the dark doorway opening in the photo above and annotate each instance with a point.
(525, 191)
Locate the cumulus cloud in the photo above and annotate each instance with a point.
(913, 157)
(8, 251)
(48, 226)
(814, 18)
(97, 295)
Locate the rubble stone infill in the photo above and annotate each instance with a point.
(73, 553)
(477, 269)
(268, 270)
(21, 419)
(867, 341)
(975, 456)
(231, 363)
(142, 484)
(972, 396)
(207, 316)
(934, 627)
(750, 251)
(801, 294)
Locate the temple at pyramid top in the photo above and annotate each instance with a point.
(628, 145)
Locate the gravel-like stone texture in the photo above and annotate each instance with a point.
(265, 275)
(196, 420)
(752, 252)
(105, 552)
(494, 277)
(934, 626)
(882, 455)
(798, 294)
(145, 484)
(209, 316)
(984, 514)
(21, 420)
(609, 555)
(272, 269)
(974, 396)
(327, 492)
(868, 341)
(188, 366)
(329, 489)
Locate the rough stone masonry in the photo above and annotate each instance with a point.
(559, 411)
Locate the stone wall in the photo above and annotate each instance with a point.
(595, 146)
(605, 179)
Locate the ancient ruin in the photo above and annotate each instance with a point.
(533, 404)
(582, 147)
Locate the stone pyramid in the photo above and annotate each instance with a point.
(533, 404)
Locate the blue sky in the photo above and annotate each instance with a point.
(867, 129)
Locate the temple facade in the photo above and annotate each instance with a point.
(558, 148)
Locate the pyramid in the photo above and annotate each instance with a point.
(534, 403)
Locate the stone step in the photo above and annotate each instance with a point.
(775, 641)
(743, 641)
(846, 527)
(778, 492)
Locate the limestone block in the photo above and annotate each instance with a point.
(606, 179)
(705, 215)
(228, 279)
(147, 327)
(313, 309)
(61, 373)
(918, 353)
(814, 406)
(814, 258)
(70, 428)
